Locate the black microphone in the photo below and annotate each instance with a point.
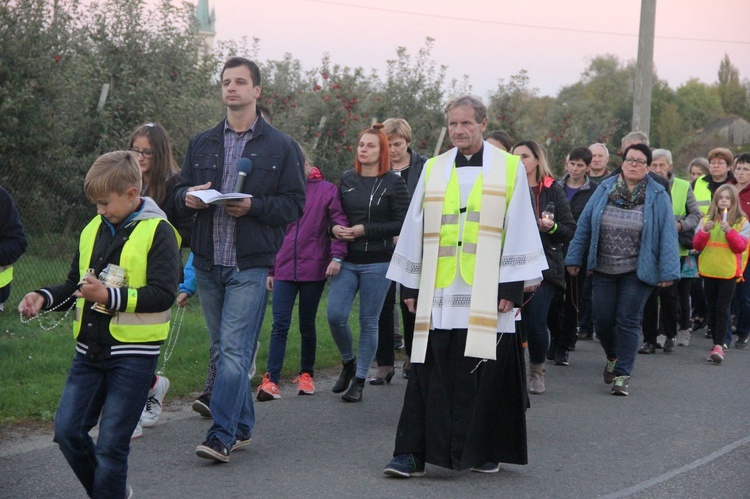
(244, 167)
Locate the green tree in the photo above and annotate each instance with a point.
(666, 127)
(698, 104)
(512, 108)
(55, 65)
(734, 96)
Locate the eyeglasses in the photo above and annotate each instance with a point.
(633, 161)
(147, 153)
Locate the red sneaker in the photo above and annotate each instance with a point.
(717, 355)
(306, 385)
(268, 390)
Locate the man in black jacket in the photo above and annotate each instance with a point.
(569, 307)
(234, 243)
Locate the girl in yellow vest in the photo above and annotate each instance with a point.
(722, 236)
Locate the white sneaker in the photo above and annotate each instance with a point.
(683, 337)
(138, 432)
(152, 411)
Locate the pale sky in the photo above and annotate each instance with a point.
(492, 39)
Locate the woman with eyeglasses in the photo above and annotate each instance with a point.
(150, 143)
(628, 228)
(152, 148)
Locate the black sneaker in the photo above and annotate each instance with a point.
(561, 356)
(647, 347)
(585, 335)
(213, 448)
(620, 386)
(669, 345)
(405, 466)
(741, 342)
(240, 442)
(487, 468)
(551, 349)
(202, 406)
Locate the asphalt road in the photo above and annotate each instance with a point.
(683, 432)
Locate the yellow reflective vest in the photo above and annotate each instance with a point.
(6, 275)
(453, 246)
(679, 194)
(128, 326)
(702, 194)
(717, 259)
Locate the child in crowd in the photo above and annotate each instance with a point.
(121, 320)
(722, 237)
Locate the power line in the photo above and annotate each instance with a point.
(518, 25)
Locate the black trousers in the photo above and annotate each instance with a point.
(662, 300)
(460, 412)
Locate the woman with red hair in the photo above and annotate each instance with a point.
(375, 201)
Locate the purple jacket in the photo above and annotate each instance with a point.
(307, 249)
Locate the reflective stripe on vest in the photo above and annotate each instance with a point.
(127, 327)
(717, 259)
(702, 194)
(450, 251)
(6, 275)
(679, 194)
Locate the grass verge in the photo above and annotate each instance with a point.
(35, 362)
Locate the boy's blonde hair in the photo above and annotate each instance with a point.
(114, 172)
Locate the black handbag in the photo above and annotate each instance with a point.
(686, 238)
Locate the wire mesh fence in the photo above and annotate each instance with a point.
(53, 218)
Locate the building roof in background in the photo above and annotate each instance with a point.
(206, 19)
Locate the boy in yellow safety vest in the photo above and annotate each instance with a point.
(121, 321)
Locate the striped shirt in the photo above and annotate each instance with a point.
(225, 251)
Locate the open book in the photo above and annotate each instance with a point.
(212, 196)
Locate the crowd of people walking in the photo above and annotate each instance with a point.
(481, 255)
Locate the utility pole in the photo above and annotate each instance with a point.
(644, 70)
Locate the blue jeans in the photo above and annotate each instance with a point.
(618, 301)
(369, 279)
(116, 388)
(284, 296)
(534, 317)
(233, 303)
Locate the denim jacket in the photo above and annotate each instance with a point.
(658, 259)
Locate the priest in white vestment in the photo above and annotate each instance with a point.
(470, 246)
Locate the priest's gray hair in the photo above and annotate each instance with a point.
(480, 110)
